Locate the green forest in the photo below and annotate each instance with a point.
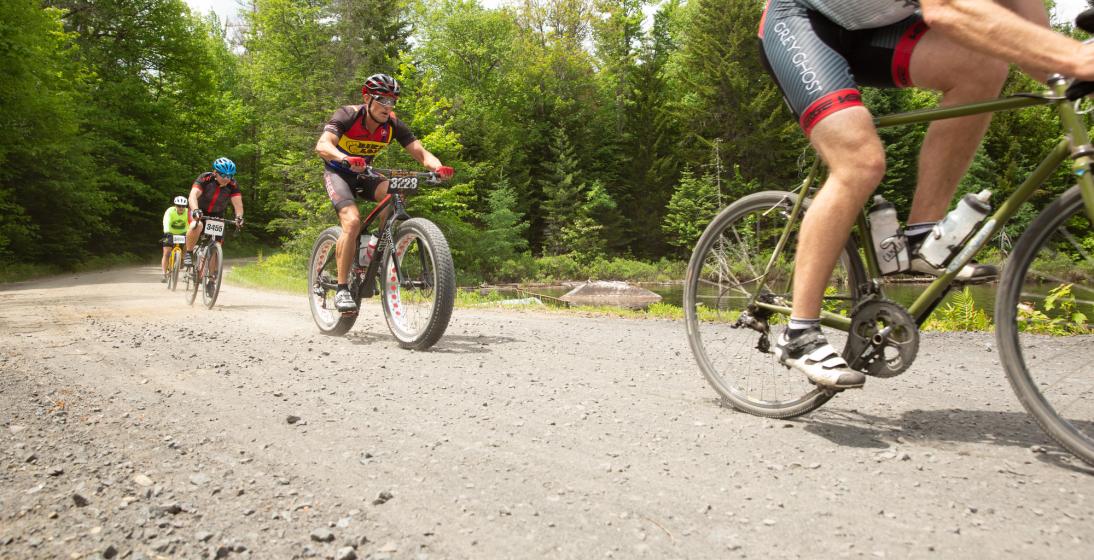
(582, 131)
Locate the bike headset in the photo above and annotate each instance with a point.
(382, 85)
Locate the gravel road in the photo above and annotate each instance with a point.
(135, 426)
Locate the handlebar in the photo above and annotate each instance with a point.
(429, 177)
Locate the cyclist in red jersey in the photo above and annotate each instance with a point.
(209, 196)
(351, 138)
(818, 50)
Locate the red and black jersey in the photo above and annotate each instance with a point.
(348, 123)
(214, 198)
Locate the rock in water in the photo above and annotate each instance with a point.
(616, 293)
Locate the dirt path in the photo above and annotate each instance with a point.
(135, 426)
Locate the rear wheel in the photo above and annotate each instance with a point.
(1043, 312)
(418, 284)
(322, 284)
(731, 339)
(212, 274)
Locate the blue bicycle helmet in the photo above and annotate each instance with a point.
(224, 166)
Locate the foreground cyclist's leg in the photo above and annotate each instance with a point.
(192, 235)
(341, 196)
(849, 144)
(350, 218)
(963, 76)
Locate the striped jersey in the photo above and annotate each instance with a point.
(864, 14)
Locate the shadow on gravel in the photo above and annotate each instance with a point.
(1011, 429)
(449, 344)
(458, 344)
(230, 307)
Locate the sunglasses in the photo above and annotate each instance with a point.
(226, 176)
(385, 101)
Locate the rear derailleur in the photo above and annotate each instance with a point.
(755, 318)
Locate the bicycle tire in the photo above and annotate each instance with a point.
(430, 261)
(212, 273)
(192, 280)
(1017, 322)
(321, 301)
(173, 268)
(721, 286)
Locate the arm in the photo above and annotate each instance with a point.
(167, 220)
(195, 192)
(422, 155)
(1020, 36)
(326, 147)
(237, 205)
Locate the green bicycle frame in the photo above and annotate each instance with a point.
(1074, 144)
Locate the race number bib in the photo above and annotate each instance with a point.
(178, 239)
(404, 183)
(214, 228)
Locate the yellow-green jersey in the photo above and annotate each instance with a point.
(173, 222)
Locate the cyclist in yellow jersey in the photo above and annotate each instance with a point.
(351, 138)
(174, 223)
(820, 50)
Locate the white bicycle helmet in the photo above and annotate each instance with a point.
(180, 201)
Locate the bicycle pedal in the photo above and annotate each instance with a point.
(349, 313)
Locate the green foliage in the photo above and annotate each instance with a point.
(692, 206)
(283, 272)
(960, 314)
(1059, 315)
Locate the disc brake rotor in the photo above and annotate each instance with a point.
(883, 340)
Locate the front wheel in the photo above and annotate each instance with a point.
(731, 338)
(323, 283)
(1043, 313)
(192, 279)
(212, 274)
(173, 270)
(418, 283)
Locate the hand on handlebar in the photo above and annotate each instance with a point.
(444, 172)
(239, 222)
(354, 163)
(195, 214)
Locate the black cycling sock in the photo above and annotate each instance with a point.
(343, 287)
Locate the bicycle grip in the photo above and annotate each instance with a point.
(1079, 89)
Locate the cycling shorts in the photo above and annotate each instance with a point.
(819, 65)
(344, 188)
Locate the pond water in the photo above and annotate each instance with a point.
(983, 294)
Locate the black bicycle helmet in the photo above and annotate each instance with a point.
(381, 84)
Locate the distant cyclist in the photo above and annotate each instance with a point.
(174, 223)
(351, 138)
(820, 51)
(209, 196)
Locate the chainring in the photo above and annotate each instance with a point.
(884, 339)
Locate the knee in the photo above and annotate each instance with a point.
(350, 220)
(864, 171)
(990, 75)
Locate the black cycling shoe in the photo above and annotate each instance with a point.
(188, 259)
(972, 272)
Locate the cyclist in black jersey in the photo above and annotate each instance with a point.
(209, 196)
(819, 51)
(351, 138)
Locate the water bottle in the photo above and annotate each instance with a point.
(890, 246)
(366, 246)
(947, 236)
